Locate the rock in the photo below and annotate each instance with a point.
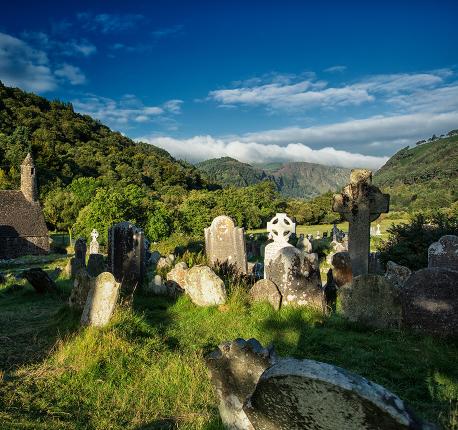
(73, 266)
(96, 264)
(178, 275)
(40, 280)
(444, 253)
(235, 368)
(430, 303)
(164, 263)
(101, 300)
(341, 268)
(204, 287)
(296, 276)
(81, 287)
(309, 395)
(265, 290)
(371, 300)
(397, 274)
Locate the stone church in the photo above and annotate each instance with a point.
(23, 229)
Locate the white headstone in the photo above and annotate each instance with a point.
(378, 232)
(94, 245)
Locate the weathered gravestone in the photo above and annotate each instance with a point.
(371, 300)
(101, 301)
(329, 294)
(126, 255)
(280, 229)
(297, 276)
(304, 244)
(204, 287)
(397, 274)
(80, 250)
(360, 203)
(81, 287)
(265, 290)
(94, 245)
(225, 244)
(444, 253)
(235, 368)
(309, 395)
(341, 268)
(430, 301)
(96, 264)
(79, 260)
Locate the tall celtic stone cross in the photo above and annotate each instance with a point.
(94, 245)
(360, 203)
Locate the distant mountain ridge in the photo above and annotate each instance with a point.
(293, 179)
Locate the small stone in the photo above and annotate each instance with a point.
(204, 287)
(267, 291)
(178, 275)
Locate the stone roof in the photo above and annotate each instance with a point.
(20, 217)
(28, 161)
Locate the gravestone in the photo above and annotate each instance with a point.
(96, 264)
(235, 368)
(309, 395)
(81, 287)
(397, 274)
(297, 277)
(225, 244)
(280, 229)
(94, 245)
(329, 294)
(126, 254)
(101, 301)
(266, 291)
(360, 203)
(304, 244)
(378, 232)
(444, 253)
(178, 275)
(430, 301)
(40, 280)
(341, 268)
(204, 287)
(371, 300)
(74, 265)
(80, 250)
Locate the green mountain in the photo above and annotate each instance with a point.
(423, 177)
(67, 145)
(298, 180)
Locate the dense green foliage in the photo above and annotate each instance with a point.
(315, 211)
(297, 180)
(146, 370)
(408, 243)
(423, 177)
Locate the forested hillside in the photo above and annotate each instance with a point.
(423, 177)
(295, 179)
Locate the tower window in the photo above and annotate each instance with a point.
(32, 171)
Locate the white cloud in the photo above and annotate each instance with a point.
(129, 109)
(167, 32)
(72, 74)
(109, 23)
(24, 67)
(335, 69)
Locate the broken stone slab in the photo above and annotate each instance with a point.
(308, 395)
(101, 301)
(40, 280)
(341, 268)
(371, 300)
(204, 287)
(266, 291)
(430, 301)
(444, 253)
(397, 274)
(235, 368)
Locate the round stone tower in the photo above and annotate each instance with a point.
(29, 179)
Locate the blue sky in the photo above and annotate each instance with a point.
(337, 83)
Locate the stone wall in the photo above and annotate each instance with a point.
(13, 247)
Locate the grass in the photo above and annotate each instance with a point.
(146, 369)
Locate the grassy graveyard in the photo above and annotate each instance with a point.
(146, 369)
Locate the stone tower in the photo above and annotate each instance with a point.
(29, 179)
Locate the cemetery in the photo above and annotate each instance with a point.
(253, 333)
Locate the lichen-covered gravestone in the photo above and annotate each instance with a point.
(341, 268)
(371, 300)
(280, 229)
(126, 255)
(225, 244)
(360, 203)
(204, 287)
(81, 287)
(430, 301)
(308, 395)
(297, 277)
(101, 300)
(265, 290)
(397, 274)
(444, 253)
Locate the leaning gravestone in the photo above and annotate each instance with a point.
(360, 203)
(444, 253)
(101, 300)
(371, 300)
(308, 395)
(204, 287)
(225, 243)
(280, 229)
(296, 276)
(430, 301)
(126, 255)
(266, 291)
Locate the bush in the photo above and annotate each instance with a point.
(409, 242)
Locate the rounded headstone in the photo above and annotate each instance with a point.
(341, 268)
(204, 287)
(265, 290)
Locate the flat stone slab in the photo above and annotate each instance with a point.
(309, 395)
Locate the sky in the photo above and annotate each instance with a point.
(330, 82)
